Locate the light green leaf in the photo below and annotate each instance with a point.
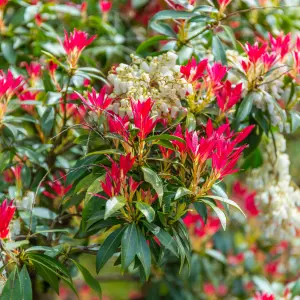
(113, 205)
(182, 191)
(152, 178)
(146, 210)
(218, 212)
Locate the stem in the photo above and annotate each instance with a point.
(70, 75)
(257, 8)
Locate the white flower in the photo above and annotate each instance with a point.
(276, 198)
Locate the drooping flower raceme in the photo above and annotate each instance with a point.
(7, 211)
(157, 78)
(276, 197)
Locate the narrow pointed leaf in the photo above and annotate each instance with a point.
(152, 178)
(129, 246)
(146, 210)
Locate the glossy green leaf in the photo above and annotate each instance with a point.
(151, 177)
(47, 120)
(146, 210)
(150, 42)
(190, 122)
(201, 210)
(230, 34)
(164, 237)
(8, 51)
(12, 289)
(129, 246)
(182, 191)
(109, 248)
(218, 51)
(218, 212)
(245, 108)
(25, 282)
(143, 253)
(113, 205)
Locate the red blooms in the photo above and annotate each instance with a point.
(142, 117)
(52, 66)
(119, 125)
(74, 43)
(58, 187)
(228, 96)
(9, 84)
(281, 44)
(97, 102)
(3, 3)
(263, 296)
(7, 211)
(105, 5)
(115, 178)
(33, 69)
(236, 259)
(241, 192)
(216, 73)
(193, 71)
(255, 52)
(199, 228)
(26, 96)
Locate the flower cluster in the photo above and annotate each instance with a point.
(276, 197)
(264, 67)
(158, 78)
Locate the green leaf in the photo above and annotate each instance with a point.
(295, 120)
(138, 3)
(47, 120)
(201, 210)
(228, 201)
(263, 284)
(44, 213)
(245, 108)
(230, 34)
(157, 25)
(15, 245)
(25, 284)
(201, 18)
(94, 188)
(12, 289)
(129, 246)
(190, 122)
(146, 210)
(152, 178)
(182, 191)
(218, 50)
(150, 42)
(164, 237)
(8, 52)
(218, 212)
(180, 248)
(205, 8)
(89, 279)
(50, 269)
(4, 160)
(105, 151)
(109, 248)
(113, 205)
(216, 255)
(143, 253)
(167, 137)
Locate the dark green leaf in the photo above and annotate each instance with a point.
(190, 122)
(150, 42)
(12, 289)
(8, 51)
(25, 284)
(143, 253)
(109, 248)
(164, 237)
(218, 50)
(245, 108)
(89, 279)
(129, 246)
(218, 212)
(230, 34)
(201, 210)
(47, 120)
